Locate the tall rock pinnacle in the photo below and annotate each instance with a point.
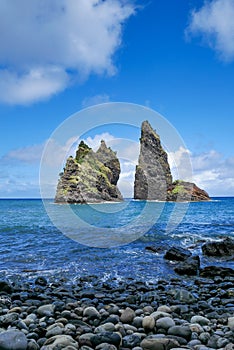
(153, 175)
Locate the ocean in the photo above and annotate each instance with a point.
(31, 245)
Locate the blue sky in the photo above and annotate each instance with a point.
(174, 57)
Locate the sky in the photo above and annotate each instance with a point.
(59, 57)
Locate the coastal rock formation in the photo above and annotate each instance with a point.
(219, 249)
(153, 179)
(153, 174)
(186, 191)
(89, 177)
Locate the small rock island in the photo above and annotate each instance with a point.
(90, 177)
(153, 179)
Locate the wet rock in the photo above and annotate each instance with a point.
(13, 340)
(215, 271)
(131, 341)
(188, 267)
(177, 254)
(41, 281)
(219, 249)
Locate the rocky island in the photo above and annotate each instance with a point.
(90, 176)
(153, 179)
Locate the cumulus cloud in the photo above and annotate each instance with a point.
(48, 44)
(211, 171)
(214, 23)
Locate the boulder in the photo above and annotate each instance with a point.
(188, 267)
(214, 271)
(220, 249)
(13, 340)
(177, 254)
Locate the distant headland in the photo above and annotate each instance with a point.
(92, 177)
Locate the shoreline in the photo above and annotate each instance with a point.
(94, 314)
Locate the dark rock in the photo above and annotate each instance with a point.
(177, 254)
(6, 287)
(131, 341)
(41, 281)
(181, 331)
(188, 267)
(106, 337)
(153, 175)
(219, 249)
(214, 271)
(90, 176)
(181, 191)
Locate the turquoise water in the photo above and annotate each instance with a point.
(30, 244)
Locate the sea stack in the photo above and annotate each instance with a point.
(153, 179)
(153, 175)
(89, 177)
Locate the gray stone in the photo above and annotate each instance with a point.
(46, 310)
(91, 312)
(181, 331)
(106, 337)
(106, 346)
(185, 296)
(231, 323)
(60, 342)
(153, 342)
(203, 321)
(165, 322)
(148, 323)
(127, 315)
(131, 341)
(13, 340)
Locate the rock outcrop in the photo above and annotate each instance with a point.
(153, 179)
(186, 191)
(89, 177)
(153, 174)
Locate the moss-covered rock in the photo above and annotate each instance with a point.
(186, 191)
(89, 177)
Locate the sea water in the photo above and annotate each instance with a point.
(31, 245)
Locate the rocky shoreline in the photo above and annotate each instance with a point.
(196, 313)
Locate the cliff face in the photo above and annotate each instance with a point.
(89, 177)
(153, 175)
(153, 179)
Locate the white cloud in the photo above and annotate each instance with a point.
(211, 171)
(214, 22)
(48, 44)
(29, 154)
(95, 100)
